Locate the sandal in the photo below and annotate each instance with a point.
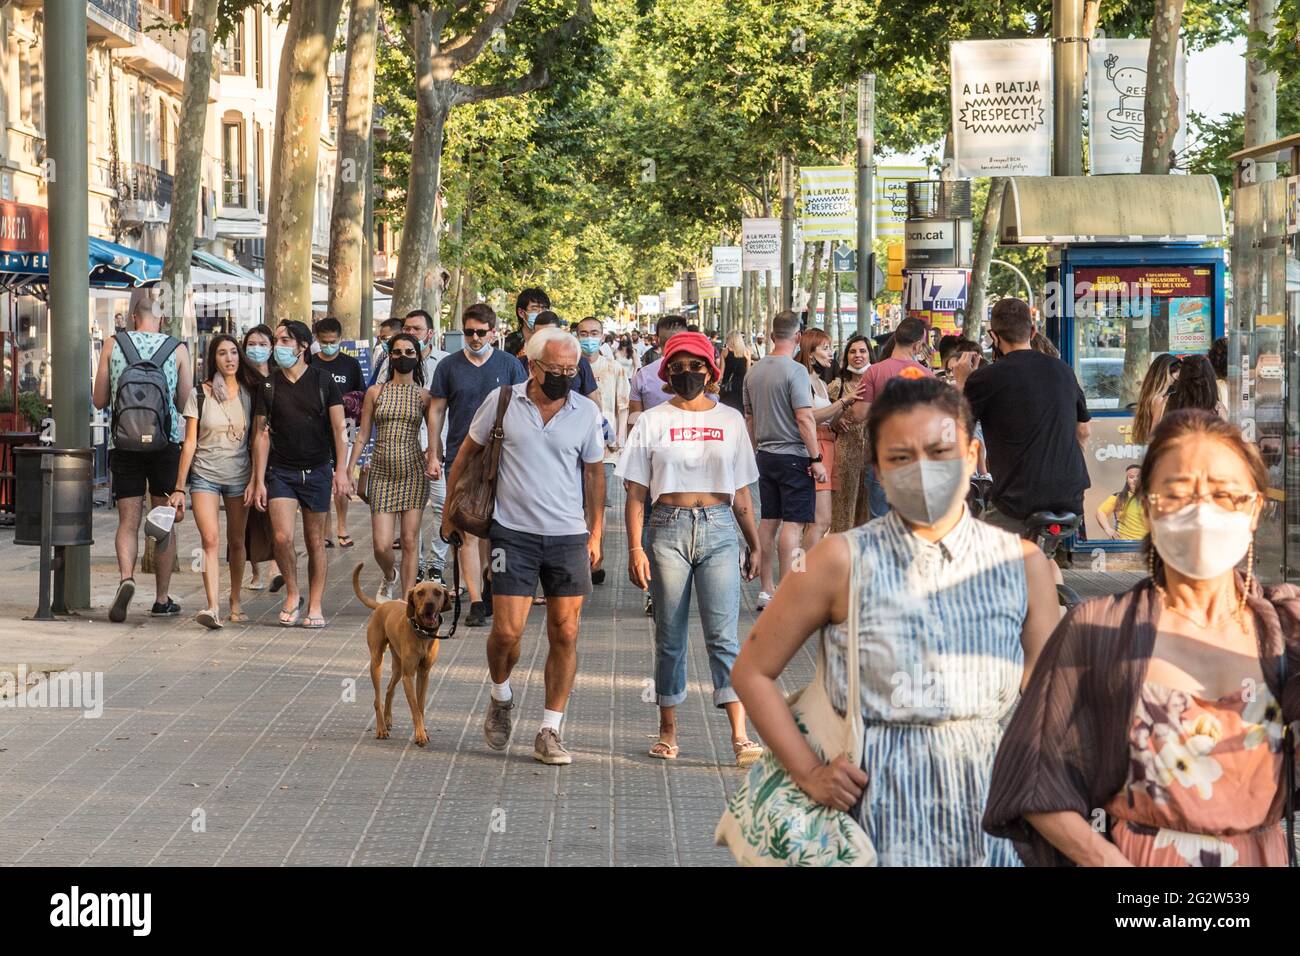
(747, 752)
(209, 619)
(236, 617)
(663, 750)
(277, 582)
(290, 618)
(345, 541)
(257, 584)
(313, 623)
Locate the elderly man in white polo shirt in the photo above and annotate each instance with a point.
(547, 526)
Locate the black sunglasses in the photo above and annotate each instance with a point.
(476, 333)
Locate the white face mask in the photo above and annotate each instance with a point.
(924, 491)
(1202, 541)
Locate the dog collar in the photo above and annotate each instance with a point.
(429, 634)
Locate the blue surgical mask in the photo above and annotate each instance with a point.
(481, 349)
(330, 350)
(530, 317)
(258, 354)
(590, 346)
(286, 356)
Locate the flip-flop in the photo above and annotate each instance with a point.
(746, 751)
(329, 543)
(293, 615)
(345, 541)
(236, 617)
(258, 586)
(313, 623)
(662, 750)
(277, 582)
(208, 618)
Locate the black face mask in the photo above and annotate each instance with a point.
(404, 364)
(556, 386)
(688, 385)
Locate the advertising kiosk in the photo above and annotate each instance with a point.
(1131, 274)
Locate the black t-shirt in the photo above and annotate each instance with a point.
(344, 369)
(301, 436)
(1030, 404)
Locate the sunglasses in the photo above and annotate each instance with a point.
(476, 333)
(687, 366)
(405, 351)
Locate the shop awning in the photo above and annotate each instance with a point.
(110, 265)
(1050, 210)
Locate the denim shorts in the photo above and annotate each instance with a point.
(519, 560)
(312, 488)
(214, 488)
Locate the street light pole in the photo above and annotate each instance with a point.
(787, 233)
(1068, 49)
(67, 179)
(367, 330)
(866, 195)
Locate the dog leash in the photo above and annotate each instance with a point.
(455, 542)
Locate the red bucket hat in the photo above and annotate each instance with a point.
(692, 343)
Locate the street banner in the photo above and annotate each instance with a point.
(1002, 107)
(760, 244)
(1117, 87)
(647, 305)
(707, 284)
(891, 198)
(829, 203)
(726, 266)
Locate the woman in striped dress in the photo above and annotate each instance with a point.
(398, 488)
(952, 615)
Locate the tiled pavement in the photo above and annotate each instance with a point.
(255, 744)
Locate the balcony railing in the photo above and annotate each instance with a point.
(126, 11)
(232, 192)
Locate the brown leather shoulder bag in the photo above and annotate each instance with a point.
(471, 502)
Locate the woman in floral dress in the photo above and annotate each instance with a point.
(849, 504)
(1155, 712)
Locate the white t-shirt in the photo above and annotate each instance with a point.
(672, 450)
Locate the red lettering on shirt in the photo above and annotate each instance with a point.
(695, 434)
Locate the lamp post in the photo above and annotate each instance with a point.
(67, 178)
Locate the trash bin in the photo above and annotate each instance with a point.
(74, 501)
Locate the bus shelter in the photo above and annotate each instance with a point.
(1135, 269)
(1263, 368)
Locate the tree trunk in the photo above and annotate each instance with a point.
(182, 224)
(816, 282)
(1161, 102)
(426, 163)
(433, 265)
(300, 100)
(1261, 86)
(990, 223)
(348, 212)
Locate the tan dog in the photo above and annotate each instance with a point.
(397, 624)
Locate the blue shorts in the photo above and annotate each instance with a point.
(213, 488)
(313, 488)
(519, 560)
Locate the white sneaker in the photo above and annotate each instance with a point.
(385, 592)
(763, 598)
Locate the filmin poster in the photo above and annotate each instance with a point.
(1117, 87)
(1002, 107)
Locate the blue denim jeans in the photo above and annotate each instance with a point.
(877, 503)
(694, 547)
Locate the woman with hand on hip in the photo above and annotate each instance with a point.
(690, 458)
(951, 615)
(849, 502)
(398, 485)
(216, 461)
(1152, 731)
